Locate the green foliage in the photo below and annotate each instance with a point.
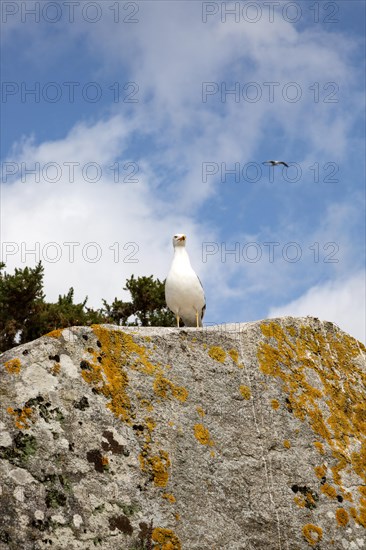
(65, 313)
(21, 296)
(118, 312)
(148, 302)
(147, 305)
(25, 315)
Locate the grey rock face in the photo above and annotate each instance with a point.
(236, 437)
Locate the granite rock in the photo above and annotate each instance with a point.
(239, 437)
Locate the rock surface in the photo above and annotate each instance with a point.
(236, 437)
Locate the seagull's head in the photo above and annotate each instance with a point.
(179, 240)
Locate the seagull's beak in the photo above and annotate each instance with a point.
(182, 238)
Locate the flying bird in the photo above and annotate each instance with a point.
(275, 162)
(184, 293)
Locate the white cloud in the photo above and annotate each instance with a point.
(340, 301)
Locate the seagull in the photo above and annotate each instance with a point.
(184, 293)
(275, 162)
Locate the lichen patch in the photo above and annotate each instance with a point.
(312, 534)
(324, 386)
(203, 435)
(342, 517)
(22, 417)
(234, 354)
(217, 353)
(165, 539)
(245, 392)
(13, 366)
(165, 389)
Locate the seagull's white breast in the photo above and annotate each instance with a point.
(183, 291)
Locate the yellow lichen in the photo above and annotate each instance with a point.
(21, 417)
(108, 376)
(217, 353)
(300, 501)
(328, 490)
(275, 404)
(165, 389)
(342, 517)
(320, 471)
(312, 533)
(292, 331)
(170, 497)
(324, 385)
(202, 435)
(105, 463)
(55, 333)
(309, 499)
(55, 369)
(146, 404)
(234, 355)
(287, 444)
(13, 366)
(245, 392)
(165, 539)
(359, 461)
(200, 411)
(150, 423)
(107, 373)
(341, 464)
(306, 500)
(319, 447)
(360, 517)
(158, 466)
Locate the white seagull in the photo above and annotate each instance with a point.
(275, 162)
(184, 294)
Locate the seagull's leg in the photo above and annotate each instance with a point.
(197, 325)
(177, 320)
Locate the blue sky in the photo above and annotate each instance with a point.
(152, 118)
